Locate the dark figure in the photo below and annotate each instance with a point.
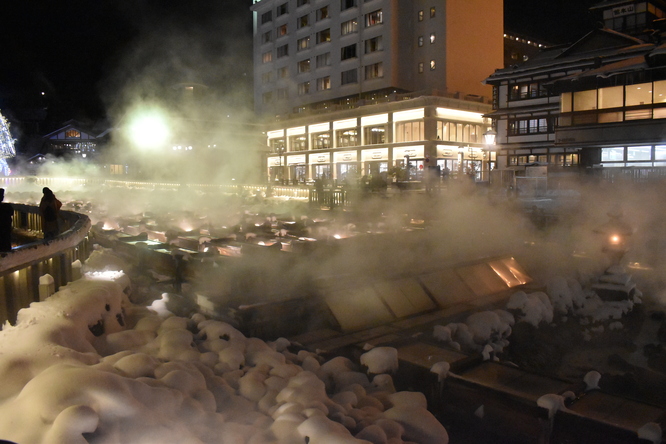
(319, 188)
(6, 215)
(49, 209)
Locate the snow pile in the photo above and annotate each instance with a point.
(479, 330)
(534, 307)
(87, 365)
(381, 360)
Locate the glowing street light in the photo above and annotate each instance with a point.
(148, 129)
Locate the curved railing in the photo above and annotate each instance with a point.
(21, 268)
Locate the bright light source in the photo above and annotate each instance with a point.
(148, 129)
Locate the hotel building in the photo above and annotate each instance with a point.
(355, 87)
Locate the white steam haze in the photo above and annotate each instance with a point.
(200, 44)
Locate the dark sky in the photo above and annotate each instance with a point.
(81, 53)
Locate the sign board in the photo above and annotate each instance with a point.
(623, 10)
(376, 154)
(345, 156)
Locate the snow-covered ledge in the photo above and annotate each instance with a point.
(25, 255)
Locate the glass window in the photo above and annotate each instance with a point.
(585, 100)
(324, 36)
(420, 40)
(282, 51)
(660, 152)
(432, 12)
(282, 94)
(303, 88)
(346, 4)
(420, 15)
(347, 137)
(612, 97)
(374, 71)
(302, 2)
(432, 38)
(565, 102)
(639, 153)
(266, 17)
(277, 145)
(266, 77)
(615, 154)
(350, 76)
(267, 57)
(322, 13)
(432, 65)
(267, 97)
(348, 52)
(282, 9)
(374, 135)
(321, 141)
(659, 89)
(298, 143)
(303, 21)
(304, 66)
(324, 83)
(374, 44)
(303, 43)
(283, 72)
(373, 18)
(323, 60)
(348, 27)
(420, 67)
(409, 131)
(640, 94)
(266, 37)
(281, 30)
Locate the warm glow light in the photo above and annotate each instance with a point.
(615, 239)
(148, 128)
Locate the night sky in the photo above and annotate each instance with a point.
(80, 53)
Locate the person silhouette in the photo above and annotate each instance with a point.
(49, 209)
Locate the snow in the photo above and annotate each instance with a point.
(650, 432)
(87, 364)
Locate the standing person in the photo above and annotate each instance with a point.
(49, 209)
(6, 215)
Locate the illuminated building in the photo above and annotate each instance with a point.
(354, 86)
(73, 140)
(597, 103)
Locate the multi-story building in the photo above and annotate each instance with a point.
(362, 85)
(596, 103)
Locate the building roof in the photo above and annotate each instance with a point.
(596, 47)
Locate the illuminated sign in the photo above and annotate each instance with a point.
(321, 158)
(377, 155)
(347, 157)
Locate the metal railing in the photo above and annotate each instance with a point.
(21, 268)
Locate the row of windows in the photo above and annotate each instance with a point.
(284, 9)
(646, 153)
(552, 159)
(371, 19)
(614, 97)
(527, 91)
(377, 134)
(533, 125)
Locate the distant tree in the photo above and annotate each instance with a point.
(7, 149)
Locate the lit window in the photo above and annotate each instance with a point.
(303, 21)
(432, 65)
(267, 57)
(420, 67)
(374, 71)
(324, 83)
(281, 30)
(349, 27)
(373, 18)
(304, 66)
(324, 36)
(303, 88)
(72, 134)
(432, 12)
(432, 38)
(373, 44)
(303, 43)
(421, 15)
(420, 41)
(322, 13)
